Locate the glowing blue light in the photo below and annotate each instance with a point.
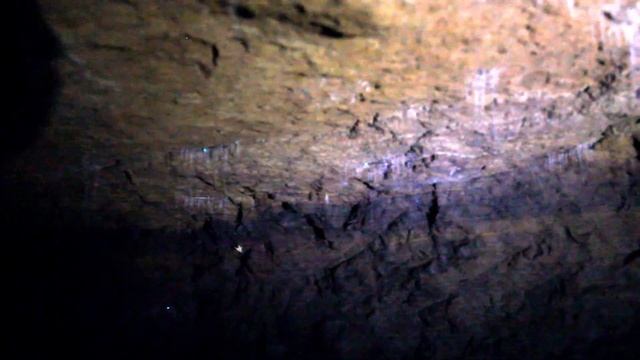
(205, 150)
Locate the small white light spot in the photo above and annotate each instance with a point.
(205, 150)
(168, 308)
(239, 249)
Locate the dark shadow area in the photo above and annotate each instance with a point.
(80, 291)
(33, 81)
(78, 288)
(341, 20)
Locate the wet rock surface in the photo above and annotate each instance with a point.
(334, 179)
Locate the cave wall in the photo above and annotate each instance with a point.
(325, 179)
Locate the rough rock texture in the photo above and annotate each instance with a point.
(405, 179)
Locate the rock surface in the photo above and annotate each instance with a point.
(349, 179)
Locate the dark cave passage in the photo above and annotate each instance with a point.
(33, 81)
